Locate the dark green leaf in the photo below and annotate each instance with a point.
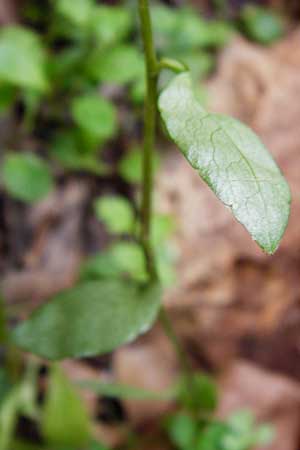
(65, 420)
(69, 150)
(7, 97)
(199, 395)
(26, 177)
(8, 417)
(92, 318)
(231, 160)
(22, 58)
(95, 115)
(116, 213)
(5, 384)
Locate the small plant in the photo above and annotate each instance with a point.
(119, 294)
(230, 159)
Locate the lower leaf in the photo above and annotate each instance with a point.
(90, 319)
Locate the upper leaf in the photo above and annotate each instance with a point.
(92, 318)
(231, 160)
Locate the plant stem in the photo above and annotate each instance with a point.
(12, 360)
(170, 332)
(152, 69)
(149, 134)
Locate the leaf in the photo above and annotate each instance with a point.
(26, 177)
(261, 25)
(110, 24)
(122, 258)
(7, 97)
(69, 150)
(65, 420)
(95, 115)
(242, 433)
(130, 166)
(212, 436)
(182, 430)
(231, 160)
(91, 319)
(124, 391)
(8, 417)
(76, 11)
(22, 58)
(180, 31)
(116, 213)
(200, 394)
(99, 266)
(163, 226)
(130, 259)
(119, 65)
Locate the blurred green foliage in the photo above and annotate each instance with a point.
(238, 432)
(65, 420)
(26, 176)
(261, 25)
(71, 64)
(67, 70)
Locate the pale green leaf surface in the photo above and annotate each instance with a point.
(231, 160)
(22, 58)
(95, 115)
(120, 65)
(124, 258)
(26, 176)
(116, 213)
(78, 12)
(65, 420)
(93, 318)
(110, 24)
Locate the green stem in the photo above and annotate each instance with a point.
(180, 351)
(12, 356)
(149, 134)
(150, 114)
(172, 64)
